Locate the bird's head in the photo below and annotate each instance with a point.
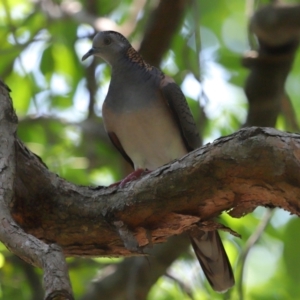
(109, 45)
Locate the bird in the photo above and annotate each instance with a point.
(147, 118)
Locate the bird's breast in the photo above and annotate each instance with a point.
(148, 134)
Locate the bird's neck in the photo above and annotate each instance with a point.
(130, 61)
(136, 59)
(131, 79)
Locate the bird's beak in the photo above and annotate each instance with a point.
(92, 51)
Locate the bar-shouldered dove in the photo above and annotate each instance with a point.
(148, 120)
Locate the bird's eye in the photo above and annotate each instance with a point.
(107, 41)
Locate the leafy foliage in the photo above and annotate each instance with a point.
(60, 120)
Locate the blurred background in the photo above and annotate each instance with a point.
(58, 100)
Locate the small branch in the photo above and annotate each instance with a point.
(183, 286)
(56, 277)
(248, 246)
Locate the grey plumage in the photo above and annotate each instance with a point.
(148, 119)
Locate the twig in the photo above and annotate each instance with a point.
(253, 239)
(184, 287)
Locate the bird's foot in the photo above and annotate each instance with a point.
(131, 177)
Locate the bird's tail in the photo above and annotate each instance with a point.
(213, 259)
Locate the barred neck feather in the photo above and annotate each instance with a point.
(136, 58)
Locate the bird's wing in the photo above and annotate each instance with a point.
(181, 111)
(208, 246)
(114, 139)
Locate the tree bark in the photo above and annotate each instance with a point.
(26, 246)
(255, 166)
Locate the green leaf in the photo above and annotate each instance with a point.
(47, 62)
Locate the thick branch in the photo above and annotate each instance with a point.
(26, 246)
(277, 25)
(252, 167)
(278, 35)
(159, 32)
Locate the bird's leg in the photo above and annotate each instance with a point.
(136, 174)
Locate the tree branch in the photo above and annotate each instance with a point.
(26, 246)
(253, 239)
(277, 25)
(278, 31)
(155, 45)
(255, 166)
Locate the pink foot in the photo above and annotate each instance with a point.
(131, 177)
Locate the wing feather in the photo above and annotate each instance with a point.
(182, 113)
(116, 142)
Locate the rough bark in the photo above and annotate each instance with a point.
(252, 167)
(26, 246)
